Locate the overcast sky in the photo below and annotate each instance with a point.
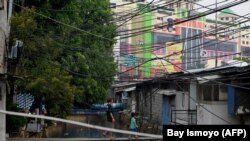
(241, 9)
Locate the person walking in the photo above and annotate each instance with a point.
(110, 118)
(133, 125)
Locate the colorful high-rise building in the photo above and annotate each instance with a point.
(150, 43)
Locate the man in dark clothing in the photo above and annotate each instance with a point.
(110, 118)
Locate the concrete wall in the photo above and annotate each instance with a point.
(181, 102)
(2, 51)
(3, 18)
(2, 107)
(157, 106)
(223, 92)
(178, 101)
(218, 108)
(3, 36)
(144, 102)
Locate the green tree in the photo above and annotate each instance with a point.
(94, 17)
(13, 123)
(242, 59)
(65, 63)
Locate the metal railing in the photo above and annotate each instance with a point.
(184, 117)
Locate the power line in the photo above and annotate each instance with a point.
(140, 11)
(207, 33)
(188, 19)
(191, 38)
(208, 42)
(168, 16)
(220, 11)
(174, 54)
(59, 22)
(66, 24)
(121, 5)
(203, 106)
(132, 68)
(197, 36)
(212, 80)
(136, 14)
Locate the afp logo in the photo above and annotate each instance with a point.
(234, 133)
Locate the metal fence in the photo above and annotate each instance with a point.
(184, 117)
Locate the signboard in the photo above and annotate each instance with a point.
(130, 60)
(203, 53)
(175, 57)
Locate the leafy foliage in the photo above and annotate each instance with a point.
(65, 64)
(242, 59)
(14, 123)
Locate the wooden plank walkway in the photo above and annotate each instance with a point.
(82, 139)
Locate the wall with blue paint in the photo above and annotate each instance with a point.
(231, 100)
(166, 115)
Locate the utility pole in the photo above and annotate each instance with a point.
(4, 35)
(216, 37)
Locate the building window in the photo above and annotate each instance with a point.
(222, 19)
(243, 42)
(160, 18)
(178, 4)
(187, 6)
(210, 92)
(227, 18)
(171, 6)
(243, 36)
(247, 42)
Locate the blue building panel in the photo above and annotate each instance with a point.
(166, 117)
(231, 100)
(245, 51)
(210, 44)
